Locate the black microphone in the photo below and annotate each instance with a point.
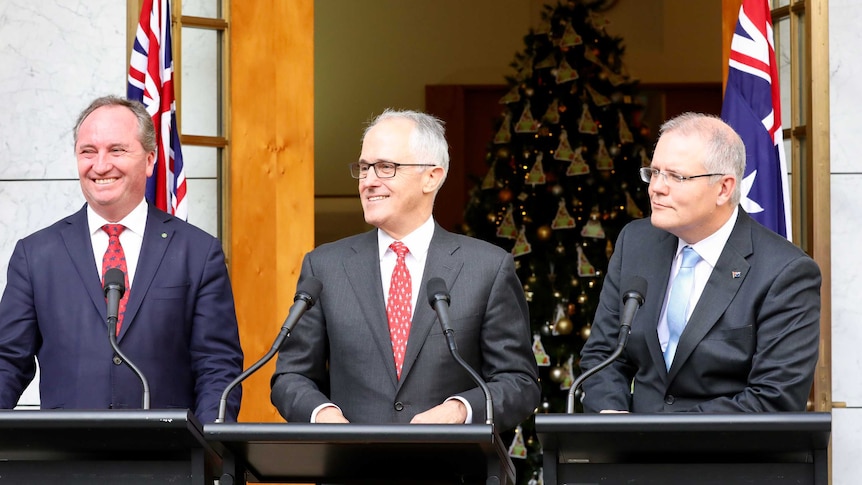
(438, 298)
(632, 301)
(115, 288)
(306, 296)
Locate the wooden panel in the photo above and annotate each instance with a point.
(271, 174)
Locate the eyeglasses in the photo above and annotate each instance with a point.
(649, 173)
(383, 170)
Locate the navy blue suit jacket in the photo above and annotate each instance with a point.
(179, 327)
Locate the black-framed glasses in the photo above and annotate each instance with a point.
(383, 170)
(649, 173)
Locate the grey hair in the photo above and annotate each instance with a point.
(146, 129)
(725, 151)
(428, 139)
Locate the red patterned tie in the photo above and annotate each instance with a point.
(116, 258)
(399, 307)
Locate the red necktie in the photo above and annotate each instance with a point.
(399, 306)
(116, 258)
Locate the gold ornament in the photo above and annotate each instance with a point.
(585, 332)
(564, 326)
(505, 196)
(543, 233)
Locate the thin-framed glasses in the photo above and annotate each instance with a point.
(383, 170)
(649, 173)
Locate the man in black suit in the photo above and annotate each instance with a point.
(346, 362)
(742, 334)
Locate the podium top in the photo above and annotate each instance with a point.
(77, 434)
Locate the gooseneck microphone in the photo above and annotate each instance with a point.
(115, 287)
(438, 298)
(632, 301)
(306, 295)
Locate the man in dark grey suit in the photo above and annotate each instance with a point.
(753, 302)
(339, 364)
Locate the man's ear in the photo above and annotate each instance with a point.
(728, 185)
(432, 179)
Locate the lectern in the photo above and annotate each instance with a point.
(353, 453)
(690, 448)
(125, 447)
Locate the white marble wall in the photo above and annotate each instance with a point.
(846, 179)
(56, 56)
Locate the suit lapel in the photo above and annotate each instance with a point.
(76, 237)
(659, 272)
(157, 237)
(363, 273)
(441, 262)
(721, 288)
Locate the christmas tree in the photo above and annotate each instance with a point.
(561, 184)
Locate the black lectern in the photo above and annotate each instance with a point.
(104, 447)
(353, 453)
(774, 448)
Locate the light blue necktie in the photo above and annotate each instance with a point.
(677, 304)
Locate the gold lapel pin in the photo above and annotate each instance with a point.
(164, 235)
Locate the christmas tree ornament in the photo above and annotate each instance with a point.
(603, 158)
(545, 406)
(543, 233)
(507, 228)
(513, 96)
(504, 134)
(593, 228)
(585, 332)
(578, 165)
(505, 195)
(557, 190)
(552, 114)
(527, 124)
(563, 220)
(598, 98)
(569, 376)
(537, 172)
(632, 208)
(570, 37)
(625, 133)
(542, 358)
(571, 309)
(490, 180)
(560, 249)
(564, 326)
(522, 246)
(549, 61)
(518, 449)
(565, 73)
(587, 124)
(585, 268)
(564, 149)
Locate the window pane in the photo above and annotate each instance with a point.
(202, 8)
(782, 57)
(200, 162)
(200, 82)
(775, 4)
(204, 204)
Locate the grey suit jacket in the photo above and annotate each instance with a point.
(751, 343)
(340, 351)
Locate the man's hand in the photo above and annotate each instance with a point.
(330, 414)
(452, 411)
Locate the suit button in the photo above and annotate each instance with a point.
(117, 360)
(399, 406)
(669, 399)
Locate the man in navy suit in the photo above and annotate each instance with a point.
(343, 361)
(749, 315)
(179, 326)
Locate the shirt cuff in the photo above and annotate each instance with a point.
(320, 408)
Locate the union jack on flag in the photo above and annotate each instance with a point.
(151, 82)
(752, 106)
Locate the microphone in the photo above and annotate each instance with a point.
(438, 298)
(115, 288)
(632, 301)
(306, 296)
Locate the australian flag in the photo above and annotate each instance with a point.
(151, 81)
(752, 106)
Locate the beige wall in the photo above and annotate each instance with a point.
(372, 54)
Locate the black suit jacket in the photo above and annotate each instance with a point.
(751, 343)
(340, 351)
(179, 327)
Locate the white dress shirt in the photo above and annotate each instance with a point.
(132, 238)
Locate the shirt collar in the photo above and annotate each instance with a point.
(417, 241)
(711, 247)
(135, 221)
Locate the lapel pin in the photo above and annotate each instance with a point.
(164, 235)
(736, 274)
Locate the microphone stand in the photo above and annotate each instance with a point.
(575, 390)
(112, 336)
